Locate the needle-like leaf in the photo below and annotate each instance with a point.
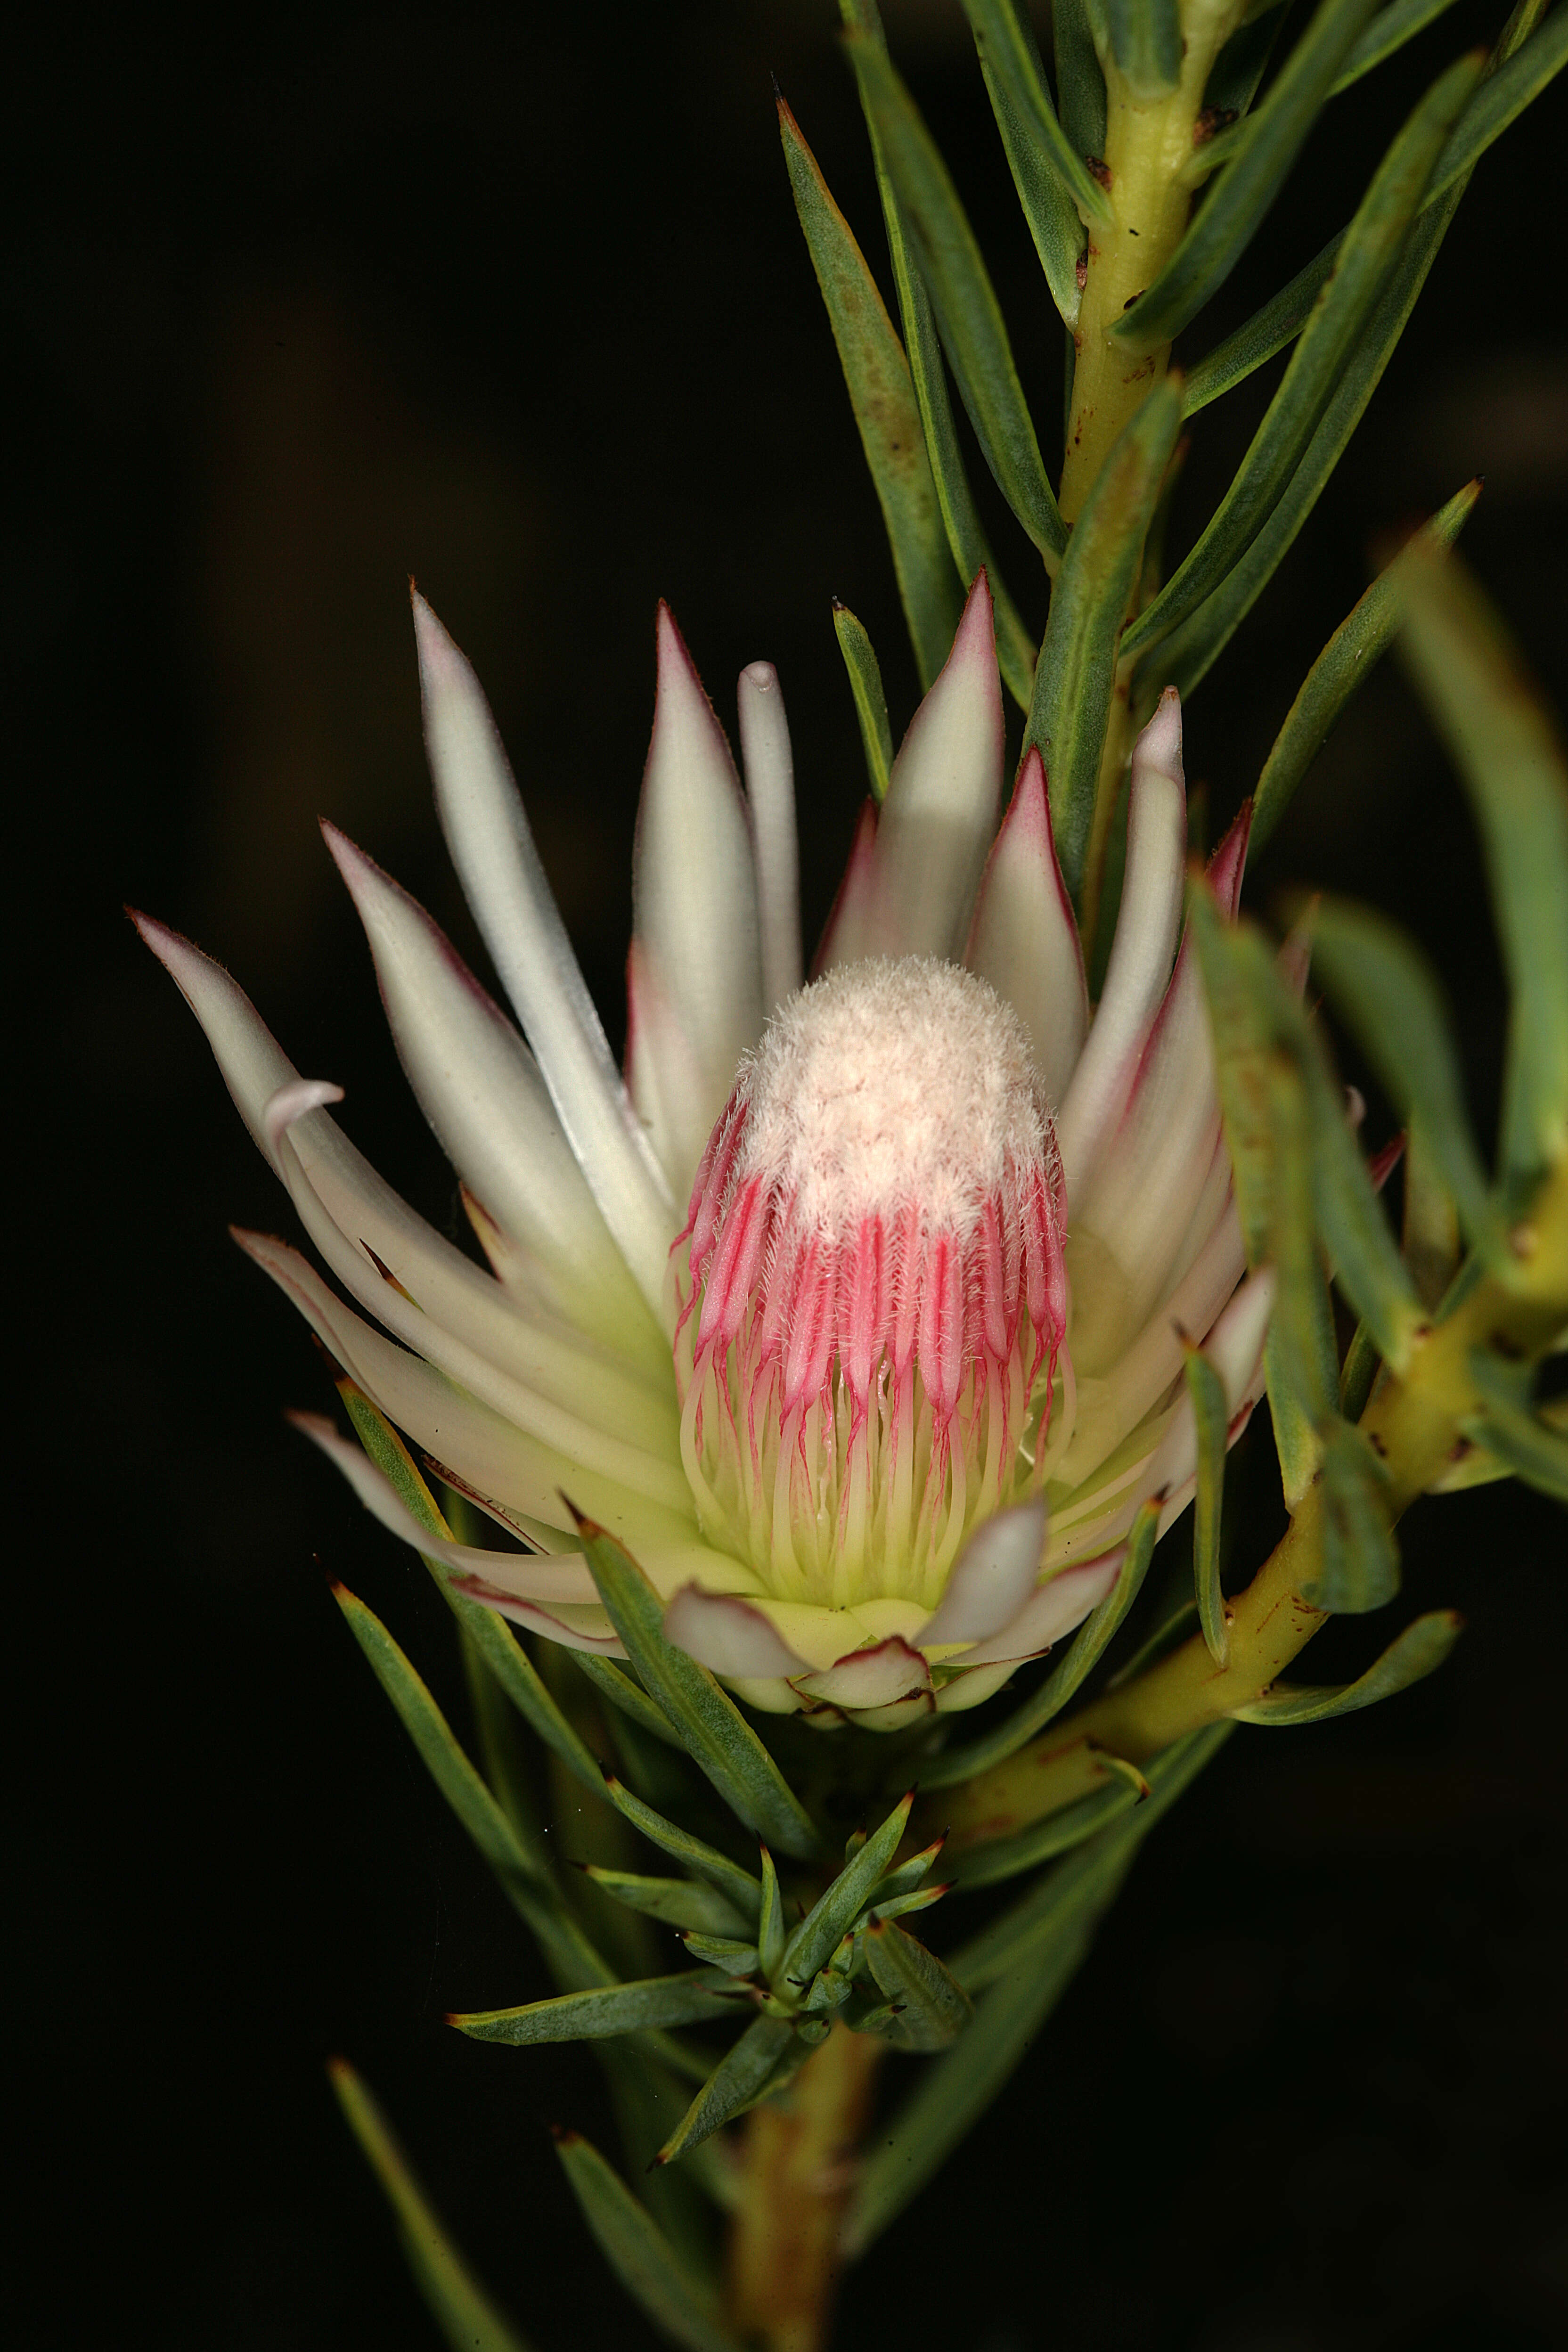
(1418, 1651)
(1211, 1419)
(870, 702)
(960, 285)
(933, 2008)
(1076, 674)
(883, 400)
(1057, 1833)
(1510, 756)
(739, 2080)
(459, 2306)
(716, 1733)
(1356, 645)
(1531, 1447)
(1365, 256)
(682, 2305)
(693, 1999)
(1390, 999)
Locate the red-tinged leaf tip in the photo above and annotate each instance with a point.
(340, 2070)
(338, 1589)
(585, 1525)
(565, 2137)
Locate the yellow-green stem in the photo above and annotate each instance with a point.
(797, 2169)
(1414, 1424)
(1148, 146)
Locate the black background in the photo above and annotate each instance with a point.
(515, 301)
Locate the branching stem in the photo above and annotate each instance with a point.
(1413, 1422)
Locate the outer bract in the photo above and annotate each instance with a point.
(856, 1312)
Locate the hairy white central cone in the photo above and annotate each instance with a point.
(870, 1288)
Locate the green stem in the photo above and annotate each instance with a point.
(1413, 1423)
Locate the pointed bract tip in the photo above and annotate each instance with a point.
(340, 2070)
(565, 2137)
(585, 1526)
(1160, 744)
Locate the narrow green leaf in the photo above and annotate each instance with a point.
(507, 1760)
(1171, 1631)
(1076, 674)
(680, 2303)
(870, 702)
(738, 1887)
(1146, 43)
(1240, 66)
(921, 1898)
(1299, 1354)
(1010, 59)
(1531, 1447)
(1057, 1833)
(715, 1733)
(771, 1933)
(1190, 651)
(1359, 641)
(1261, 1037)
(679, 1901)
(741, 2077)
(693, 1998)
(490, 1635)
(883, 400)
(1036, 1969)
(1079, 1887)
(459, 2306)
(1357, 1373)
(934, 2006)
(908, 1873)
(443, 1757)
(1430, 1241)
(1501, 100)
(1421, 1648)
(1211, 1417)
(1360, 1565)
(1507, 752)
(1388, 31)
(953, 2094)
(1080, 83)
(1098, 1630)
(966, 541)
(1278, 322)
(841, 1904)
(971, 551)
(973, 332)
(1391, 1001)
(1051, 215)
(1225, 222)
(1367, 253)
(735, 1959)
(613, 1683)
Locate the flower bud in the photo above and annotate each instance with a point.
(870, 1288)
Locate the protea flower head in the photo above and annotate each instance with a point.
(856, 1311)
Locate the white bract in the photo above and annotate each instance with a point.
(856, 1312)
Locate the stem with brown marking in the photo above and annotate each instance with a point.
(1414, 1424)
(797, 2169)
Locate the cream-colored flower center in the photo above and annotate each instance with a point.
(870, 1285)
